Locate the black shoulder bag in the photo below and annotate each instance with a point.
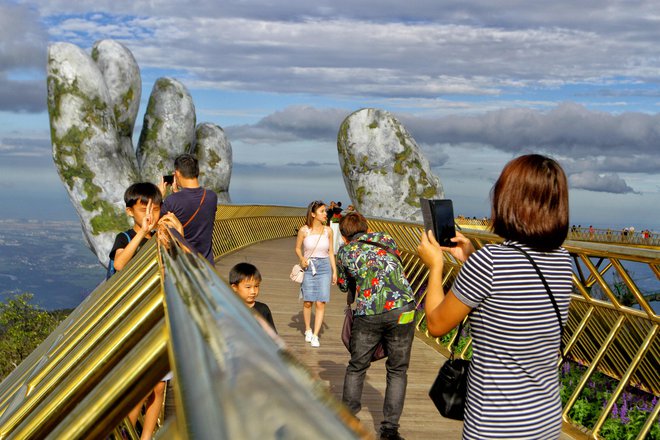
(449, 391)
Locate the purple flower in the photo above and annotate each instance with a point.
(566, 368)
(592, 384)
(624, 412)
(615, 411)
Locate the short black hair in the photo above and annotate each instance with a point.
(187, 165)
(142, 192)
(243, 271)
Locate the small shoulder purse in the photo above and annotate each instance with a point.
(449, 390)
(297, 272)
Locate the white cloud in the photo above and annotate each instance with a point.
(592, 181)
(23, 49)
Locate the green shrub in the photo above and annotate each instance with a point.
(23, 326)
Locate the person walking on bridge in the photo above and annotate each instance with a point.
(315, 251)
(516, 294)
(370, 269)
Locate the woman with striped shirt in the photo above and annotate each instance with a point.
(513, 385)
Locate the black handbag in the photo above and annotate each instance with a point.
(449, 391)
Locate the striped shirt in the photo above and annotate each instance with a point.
(513, 386)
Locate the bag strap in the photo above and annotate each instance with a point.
(547, 288)
(198, 208)
(383, 246)
(456, 339)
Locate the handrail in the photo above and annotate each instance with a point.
(111, 351)
(97, 337)
(629, 355)
(229, 371)
(82, 377)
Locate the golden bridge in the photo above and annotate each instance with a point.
(170, 310)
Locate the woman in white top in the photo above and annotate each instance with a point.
(315, 251)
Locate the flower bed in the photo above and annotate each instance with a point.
(628, 414)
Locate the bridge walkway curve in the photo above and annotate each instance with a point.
(420, 420)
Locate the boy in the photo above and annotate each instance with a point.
(245, 280)
(143, 201)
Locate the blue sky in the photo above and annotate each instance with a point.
(475, 82)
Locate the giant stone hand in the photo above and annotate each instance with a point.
(384, 170)
(93, 103)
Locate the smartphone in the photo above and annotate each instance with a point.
(438, 216)
(169, 179)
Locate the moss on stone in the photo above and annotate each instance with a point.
(160, 84)
(124, 126)
(400, 158)
(214, 159)
(412, 198)
(429, 192)
(360, 192)
(56, 89)
(110, 219)
(152, 125)
(373, 125)
(95, 54)
(128, 98)
(69, 157)
(363, 167)
(68, 146)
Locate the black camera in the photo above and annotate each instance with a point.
(169, 179)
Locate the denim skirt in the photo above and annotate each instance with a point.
(316, 287)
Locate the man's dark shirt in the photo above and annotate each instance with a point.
(199, 232)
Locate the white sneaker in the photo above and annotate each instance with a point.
(315, 341)
(308, 335)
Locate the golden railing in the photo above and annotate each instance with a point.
(643, 238)
(112, 350)
(78, 381)
(168, 308)
(602, 333)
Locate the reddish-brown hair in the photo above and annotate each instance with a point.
(352, 223)
(530, 202)
(311, 208)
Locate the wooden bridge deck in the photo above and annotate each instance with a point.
(420, 420)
